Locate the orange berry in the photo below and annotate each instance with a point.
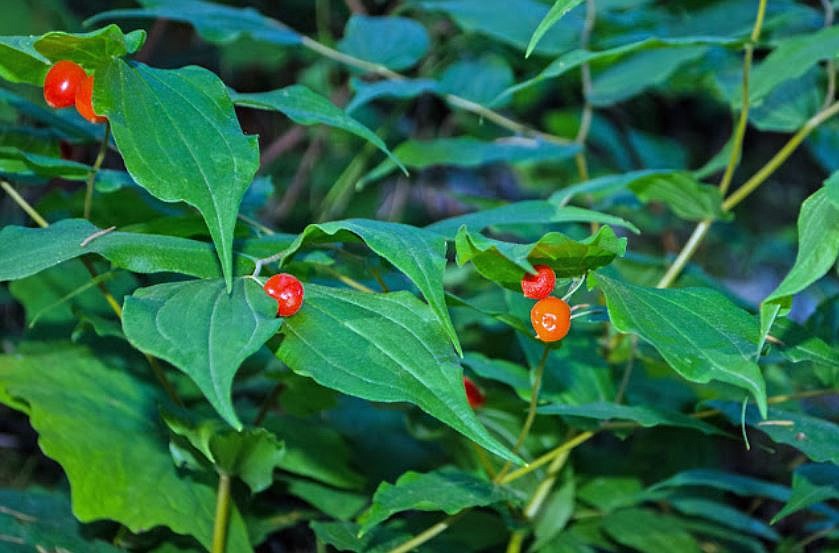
(551, 319)
(84, 101)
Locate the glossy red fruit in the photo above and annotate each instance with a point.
(473, 394)
(288, 291)
(61, 83)
(551, 319)
(540, 285)
(84, 101)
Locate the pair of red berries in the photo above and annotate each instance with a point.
(288, 291)
(67, 84)
(550, 316)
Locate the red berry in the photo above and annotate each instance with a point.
(61, 83)
(473, 394)
(288, 291)
(551, 319)
(84, 101)
(540, 285)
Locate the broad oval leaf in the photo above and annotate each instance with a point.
(393, 42)
(681, 192)
(649, 532)
(305, 107)
(202, 330)
(507, 263)
(448, 489)
(119, 467)
(643, 415)
(700, 333)
(382, 347)
(479, 80)
(419, 254)
(180, 139)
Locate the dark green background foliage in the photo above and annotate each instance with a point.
(676, 163)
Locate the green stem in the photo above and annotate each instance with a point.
(516, 541)
(547, 457)
(587, 113)
(427, 535)
(24, 205)
(684, 256)
(222, 520)
(94, 170)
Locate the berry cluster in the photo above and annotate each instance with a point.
(67, 84)
(288, 291)
(550, 316)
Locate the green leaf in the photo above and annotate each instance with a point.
(700, 333)
(510, 21)
(744, 486)
(214, 22)
(314, 450)
(467, 152)
(643, 415)
(507, 263)
(448, 489)
(418, 253)
(682, 193)
(527, 212)
(20, 62)
(648, 532)
(37, 519)
(402, 89)
(791, 59)
(557, 11)
(339, 504)
(203, 331)
(344, 537)
(382, 347)
(90, 50)
(393, 42)
(31, 250)
(102, 426)
(251, 454)
(305, 107)
(816, 438)
(555, 515)
(798, 344)
(479, 80)
(178, 134)
(790, 104)
(14, 161)
(818, 248)
(724, 515)
(811, 484)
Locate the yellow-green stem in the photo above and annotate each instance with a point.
(427, 535)
(94, 170)
(547, 457)
(24, 205)
(222, 520)
(516, 541)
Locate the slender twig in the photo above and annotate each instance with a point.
(428, 534)
(547, 457)
(830, 66)
(304, 168)
(536, 387)
(545, 486)
(587, 113)
(24, 205)
(516, 541)
(94, 170)
(685, 254)
(627, 370)
(222, 520)
(280, 145)
(268, 403)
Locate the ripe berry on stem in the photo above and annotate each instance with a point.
(288, 291)
(540, 285)
(551, 319)
(62, 82)
(84, 101)
(473, 394)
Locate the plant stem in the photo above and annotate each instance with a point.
(830, 67)
(684, 256)
(547, 457)
(428, 534)
(586, 116)
(536, 386)
(516, 540)
(222, 520)
(24, 205)
(94, 170)
(451, 99)
(541, 494)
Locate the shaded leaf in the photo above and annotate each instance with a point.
(339, 504)
(382, 347)
(643, 415)
(401, 89)
(648, 532)
(724, 515)
(393, 42)
(344, 536)
(682, 193)
(203, 331)
(811, 484)
(479, 80)
(557, 11)
(699, 332)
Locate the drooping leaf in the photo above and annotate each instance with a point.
(31, 250)
(682, 193)
(799, 344)
(816, 438)
(724, 515)
(468, 152)
(102, 426)
(479, 80)
(305, 107)
(339, 504)
(382, 347)
(36, 519)
(648, 532)
(811, 484)
(745, 486)
(393, 42)
(525, 213)
(790, 59)
(557, 11)
(818, 248)
(344, 537)
(643, 415)
(14, 161)
(507, 263)
(555, 515)
(202, 330)
(215, 22)
(252, 454)
(418, 253)
(20, 62)
(700, 333)
(401, 89)
(448, 489)
(178, 134)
